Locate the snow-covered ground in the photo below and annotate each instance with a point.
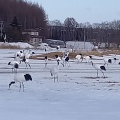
(17, 44)
(79, 95)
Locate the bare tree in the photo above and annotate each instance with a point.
(70, 22)
(55, 23)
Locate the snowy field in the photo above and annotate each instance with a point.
(79, 95)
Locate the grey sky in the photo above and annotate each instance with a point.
(93, 11)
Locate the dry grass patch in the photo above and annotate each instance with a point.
(9, 46)
(117, 52)
(49, 55)
(72, 55)
(96, 53)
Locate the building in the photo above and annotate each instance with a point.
(79, 45)
(32, 36)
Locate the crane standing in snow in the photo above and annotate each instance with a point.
(87, 58)
(54, 71)
(46, 59)
(21, 77)
(18, 55)
(79, 57)
(99, 67)
(107, 60)
(65, 59)
(15, 65)
(115, 58)
(26, 58)
(29, 54)
(26, 61)
(57, 58)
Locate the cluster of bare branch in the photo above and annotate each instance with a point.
(97, 33)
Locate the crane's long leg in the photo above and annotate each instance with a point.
(12, 70)
(26, 65)
(81, 59)
(97, 73)
(20, 87)
(63, 64)
(29, 65)
(23, 86)
(57, 78)
(54, 79)
(68, 64)
(45, 64)
(77, 61)
(103, 73)
(15, 70)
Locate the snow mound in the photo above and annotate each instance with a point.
(17, 44)
(22, 45)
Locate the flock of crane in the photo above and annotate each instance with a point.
(80, 59)
(99, 67)
(22, 56)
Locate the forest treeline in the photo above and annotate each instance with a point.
(29, 15)
(96, 33)
(23, 14)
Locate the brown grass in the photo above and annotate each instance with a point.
(73, 54)
(9, 47)
(49, 55)
(117, 52)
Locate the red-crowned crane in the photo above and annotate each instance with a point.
(99, 67)
(15, 65)
(20, 78)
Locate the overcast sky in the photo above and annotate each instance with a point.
(93, 11)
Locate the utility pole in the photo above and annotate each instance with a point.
(1, 29)
(84, 37)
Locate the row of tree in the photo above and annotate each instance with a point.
(71, 22)
(97, 33)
